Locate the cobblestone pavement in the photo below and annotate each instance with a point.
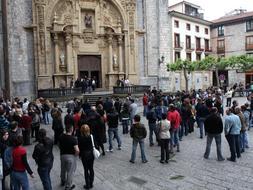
(186, 170)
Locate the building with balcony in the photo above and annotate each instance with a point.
(233, 35)
(190, 37)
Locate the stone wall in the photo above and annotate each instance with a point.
(1, 54)
(21, 57)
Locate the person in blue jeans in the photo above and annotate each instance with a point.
(43, 156)
(138, 132)
(152, 118)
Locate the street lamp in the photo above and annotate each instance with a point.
(161, 60)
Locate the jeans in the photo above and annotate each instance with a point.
(234, 145)
(152, 127)
(135, 143)
(209, 140)
(243, 140)
(125, 125)
(145, 109)
(44, 173)
(68, 168)
(113, 132)
(184, 129)
(46, 119)
(20, 179)
(200, 122)
(165, 149)
(229, 102)
(174, 139)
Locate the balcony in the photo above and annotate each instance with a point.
(208, 50)
(178, 46)
(249, 47)
(220, 50)
(199, 49)
(190, 47)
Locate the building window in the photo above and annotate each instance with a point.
(249, 43)
(188, 42)
(198, 56)
(207, 45)
(177, 40)
(221, 46)
(198, 46)
(206, 31)
(189, 56)
(197, 28)
(249, 25)
(176, 24)
(188, 26)
(220, 30)
(177, 56)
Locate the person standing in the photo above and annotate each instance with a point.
(213, 128)
(113, 121)
(133, 110)
(232, 132)
(57, 126)
(243, 133)
(151, 117)
(138, 132)
(164, 135)
(44, 158)
(86, 155)
(229, 96)
(4, 135)
(69, 151)
(175, 120)
(20, 166)
(125, 115)
(201, 113)
(25, 124)
(145, 104)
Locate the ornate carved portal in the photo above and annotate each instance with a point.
(65, 30)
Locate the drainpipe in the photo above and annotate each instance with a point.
(5, 50)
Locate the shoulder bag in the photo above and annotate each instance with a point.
(96, 153)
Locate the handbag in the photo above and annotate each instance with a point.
(96, 153)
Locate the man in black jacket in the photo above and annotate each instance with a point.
(214, 128)
(43, 155)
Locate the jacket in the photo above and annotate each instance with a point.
(113, 119)
(138, 131)
(43, 153)
(213, 124)
(164, 129)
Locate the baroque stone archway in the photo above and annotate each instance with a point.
(66, 29)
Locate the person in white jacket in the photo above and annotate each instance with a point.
(164, 134)
(229, 96)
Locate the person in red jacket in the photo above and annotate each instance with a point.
(145, 104)
(175, 120)
(20, 166)
(25, 124)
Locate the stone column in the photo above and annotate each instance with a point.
(120, 55)
(68, 41)
(56, 51)
(110, 54)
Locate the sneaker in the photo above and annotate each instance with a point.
(151, 144)
(131, 161)
(119, 148)
(144, 161)
(162, 161)
(109, 150)
(86, 187)
(166, 161)
(229, 159)
(178, 150)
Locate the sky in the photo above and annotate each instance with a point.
(214, 9)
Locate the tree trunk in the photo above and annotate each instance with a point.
(217, 77)
(186, 80)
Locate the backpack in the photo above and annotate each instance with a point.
(8, 160)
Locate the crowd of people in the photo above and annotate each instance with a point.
(170, 119)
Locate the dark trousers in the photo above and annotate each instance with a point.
(229, 102)
(125, 126)
(88, 170)
(164, 149)
(44, 173)
(234, 145)
(57, 135)
(35, 130)
(27, 136)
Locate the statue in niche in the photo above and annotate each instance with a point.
(62, 58)
(115, 64)
(88, 21)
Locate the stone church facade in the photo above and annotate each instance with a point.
(51, 42)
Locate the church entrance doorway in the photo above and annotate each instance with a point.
(90, 66)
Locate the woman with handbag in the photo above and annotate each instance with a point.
(164, 135)
(86, 154)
